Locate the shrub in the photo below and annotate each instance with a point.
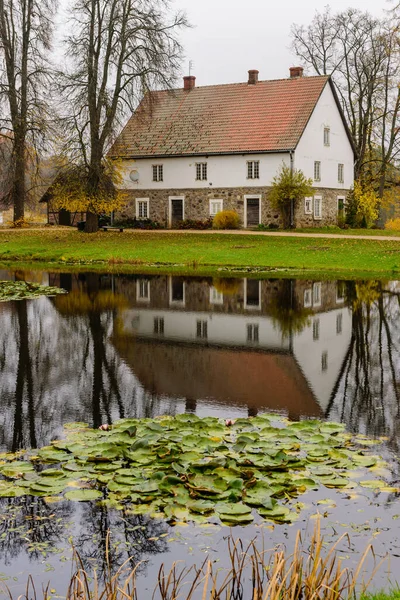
(226, 219)
(196, 224)
(139, 224)
(393, 225)
(269, 227)
(288, 188)
(362, 206)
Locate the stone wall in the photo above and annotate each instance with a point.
(197, 205)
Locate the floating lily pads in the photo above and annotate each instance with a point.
(22, 290)
(190, 469)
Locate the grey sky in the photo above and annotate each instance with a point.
(232, 36)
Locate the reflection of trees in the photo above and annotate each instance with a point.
(367, 394)
(131, 537)
(30, 524)
(287, 312)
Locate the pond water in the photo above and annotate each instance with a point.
(143, 346)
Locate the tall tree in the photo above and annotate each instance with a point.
(25, 37)
(119, 49)
(362, 55)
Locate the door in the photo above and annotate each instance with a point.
(176, 211)
(64, 217)
(252, 212)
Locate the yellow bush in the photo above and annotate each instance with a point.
(393, 225)
(226, 219)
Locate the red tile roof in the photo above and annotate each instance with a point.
(269, 116)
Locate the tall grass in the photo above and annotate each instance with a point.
(308, 573)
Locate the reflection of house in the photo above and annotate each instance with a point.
(189, 338)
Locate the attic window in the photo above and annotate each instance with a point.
(327, 136)
(201, 171)
(253, 169)
(158, 172)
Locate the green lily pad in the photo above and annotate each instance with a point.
(83, 495)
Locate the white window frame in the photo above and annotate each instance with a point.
(339, 323)
(317, 170)
(307, 301)
(316, 329)
(250, 197)
(140, 298)
(253, 169)
(221, 203)
(327, 136)
(317, 293)
(176, 302)
(202, 329)
(253, 333)
(317, 199)
(252, 306)
(340, 173)
(308, 205)
(158, 174)
(344, 203)
(216, 297)
(146, 201)
(201, 171)
(159, 321)
(170, 208)
(340, 292)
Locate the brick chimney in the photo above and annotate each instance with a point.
(296, 72)
(189, 82)
(253, 77)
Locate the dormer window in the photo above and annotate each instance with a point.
(327, 136)
(253, 169)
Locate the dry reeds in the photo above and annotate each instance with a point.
(307, 574)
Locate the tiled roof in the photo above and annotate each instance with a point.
(269, 116)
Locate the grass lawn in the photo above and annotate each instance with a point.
(338, 231)
(205, 254)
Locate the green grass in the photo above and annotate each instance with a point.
(203, 253)
(393, 594)
(358, 232)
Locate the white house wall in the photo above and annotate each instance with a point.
(311, 146)
(222, 172)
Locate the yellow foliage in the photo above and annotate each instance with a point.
(367, 204)
(366, 294)
(393, 225)
(80, 303)
(226, 219)
(227, 286)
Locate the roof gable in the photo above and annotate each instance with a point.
(269, 116)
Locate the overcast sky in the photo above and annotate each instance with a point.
(229, 37)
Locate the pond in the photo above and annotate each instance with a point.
(134, 346)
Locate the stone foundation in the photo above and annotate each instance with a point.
(197, 205)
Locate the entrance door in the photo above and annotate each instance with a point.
(64, 217)
(252, 212)
(177, 212)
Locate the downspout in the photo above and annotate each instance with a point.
(291, 200)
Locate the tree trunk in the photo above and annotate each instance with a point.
(18, 189)
(92, 223)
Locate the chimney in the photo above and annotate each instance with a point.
(189, 82)
(296, 72)
(253, 77)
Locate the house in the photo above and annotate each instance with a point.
(191, 152)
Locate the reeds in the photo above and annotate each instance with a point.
(308, 573)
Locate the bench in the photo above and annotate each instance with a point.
(107, 228)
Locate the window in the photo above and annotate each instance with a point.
(252, 293)
(177, 291)
(340, 292)
(340, 174)
(202, 330)
(324, 361)
(216, 297)
(1, 218)
(215, 207)
(143, 290)
(253, 169)
(316, 292)
(253, 333)
(339, 324)
(158, 172)
(317, 170)
(201, 171)
(315, 329)
(327, 136)
(317, 207)
(159, 325)
(308, 205)
(142, 208)
(307, 298)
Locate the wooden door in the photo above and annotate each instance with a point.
(253, 212)
(176, 210)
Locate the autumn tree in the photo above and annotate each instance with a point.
(25, 39)
(362, 55)
(118, 50)
(289, 186)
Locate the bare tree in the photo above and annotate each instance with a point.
(119, 49)
(25, 37)
(362, 55)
